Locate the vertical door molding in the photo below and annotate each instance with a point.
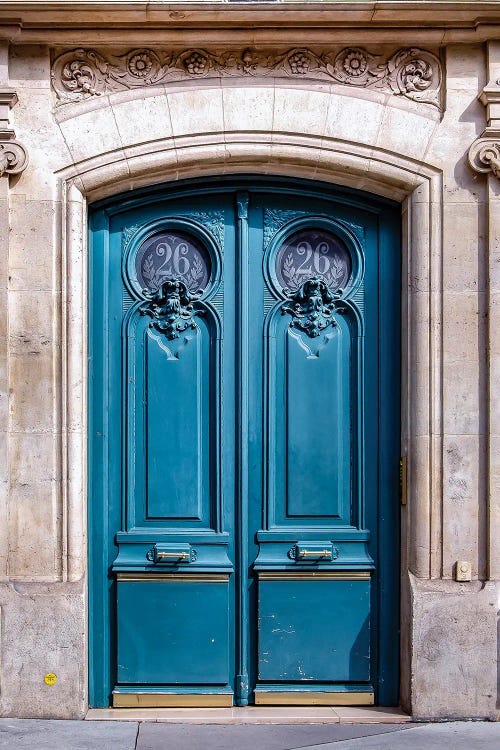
(74, 381)
(422, 431)
(242, 291)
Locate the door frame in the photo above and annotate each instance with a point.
(100, 660)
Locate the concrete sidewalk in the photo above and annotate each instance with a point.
(34, 734)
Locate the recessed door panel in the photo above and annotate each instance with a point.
(177, 412)
(162, 621)
(317, 435)
(244, 445)
(314, 630)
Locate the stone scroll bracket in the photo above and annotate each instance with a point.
(484, 154)
(409, 72)
(13, 155)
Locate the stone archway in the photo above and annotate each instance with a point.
(142, 138)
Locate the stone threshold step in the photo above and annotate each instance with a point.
(253, 715)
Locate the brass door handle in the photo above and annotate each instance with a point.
(165, 552)
(176, 555)
(316, 553)
(311, 551)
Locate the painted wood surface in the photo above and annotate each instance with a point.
(244, 430)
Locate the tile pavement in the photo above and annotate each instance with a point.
(34, 734)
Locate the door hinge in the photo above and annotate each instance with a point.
(403, 484)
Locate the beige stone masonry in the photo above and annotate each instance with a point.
(484, 157)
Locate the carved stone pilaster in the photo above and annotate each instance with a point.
(13, 155)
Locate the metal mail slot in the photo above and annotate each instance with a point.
(314, 552)
(171, 553)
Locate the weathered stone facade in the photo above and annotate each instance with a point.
(398, 99)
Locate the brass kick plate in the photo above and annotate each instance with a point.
(172, 700)
(314, 575)
(268, 698)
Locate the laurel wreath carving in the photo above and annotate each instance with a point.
(332, 277)
(154, 277)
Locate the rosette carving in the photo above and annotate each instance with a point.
(410, 72)
(413, 73)
(354, 66)
(82, 73)
(196, 63)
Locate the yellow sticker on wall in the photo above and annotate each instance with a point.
(50, 678)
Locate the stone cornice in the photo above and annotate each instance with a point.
(439, 22)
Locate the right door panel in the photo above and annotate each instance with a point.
(318, 543)
(314, 628)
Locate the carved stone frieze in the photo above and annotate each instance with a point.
(410, 72)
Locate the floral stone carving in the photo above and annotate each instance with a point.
(410, 72)
(312, 307)
(172, 309)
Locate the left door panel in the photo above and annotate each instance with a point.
(157, 318)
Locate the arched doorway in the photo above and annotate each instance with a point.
(244, 445)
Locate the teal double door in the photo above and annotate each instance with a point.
(244, 446)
